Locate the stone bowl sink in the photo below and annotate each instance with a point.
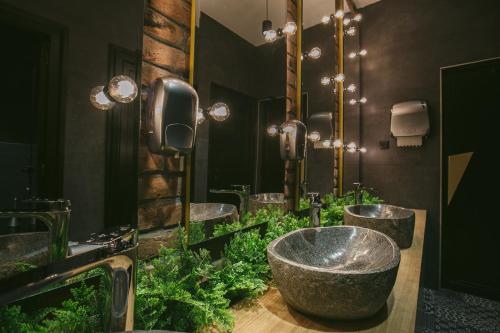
(342, 272)
(396, 222)
(264, 200)
(211, 214)
(21, 250)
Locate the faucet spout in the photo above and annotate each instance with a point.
(243, 193)
(117, 255)
(314, 209)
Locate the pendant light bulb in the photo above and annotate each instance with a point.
(99, 99)
(326, 19)
(339, 77)
(325, 80)
(347, 21)
(363, 52)
(351, 88)
(363, 100)
(122, 89)
(270, 36)
(272, 130)
(351, 31)
(337, 143)
(326, 143)
(219, 111)
(362, 150)
(290, 28)
(200, 116)
(339, 14)
(315, 53)
(358, 17)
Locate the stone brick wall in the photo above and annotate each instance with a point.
(165, 54)
(291, 102)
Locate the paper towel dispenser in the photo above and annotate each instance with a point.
(293, 136)
(410, 123)
(171, 117)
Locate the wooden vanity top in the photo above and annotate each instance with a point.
(271, 314)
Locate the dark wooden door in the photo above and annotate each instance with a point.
(232, 144)
(272, 168)
(31, 116)
(470, 215)
(122, 139)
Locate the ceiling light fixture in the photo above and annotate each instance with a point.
(314, 53)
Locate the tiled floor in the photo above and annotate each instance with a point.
(446, 311)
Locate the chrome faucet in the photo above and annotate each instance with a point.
(358, 193)
(243, 192)
(116, 252)
(55, 214)
(314, 209)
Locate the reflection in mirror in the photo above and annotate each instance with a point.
(321, 81)
(54, 142)
(240, 62)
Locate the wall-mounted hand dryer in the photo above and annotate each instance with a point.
(293, 136)
(171, 117)
(410, 123)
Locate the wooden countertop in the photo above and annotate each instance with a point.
(271, 314)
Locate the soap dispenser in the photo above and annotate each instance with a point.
(171, 117)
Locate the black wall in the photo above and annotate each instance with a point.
(408, 42)
(91, 26)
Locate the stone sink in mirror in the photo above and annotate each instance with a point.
(263, 200)
(19, 251)
(396, 222)
(342, 272)
(212, 214)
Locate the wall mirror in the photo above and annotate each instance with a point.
(236, 166)
(319, 67)
(53, 142)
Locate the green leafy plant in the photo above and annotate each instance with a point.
(226, 228)
(196, 232)
(174, 292)
(79, 314)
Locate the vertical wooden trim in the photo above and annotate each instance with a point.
(187, 159)
(339, 5)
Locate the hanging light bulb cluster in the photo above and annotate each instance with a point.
(360, 53)
(120, 89)
(218, 112)
(338, 144)
(350, 30)
(270, 34)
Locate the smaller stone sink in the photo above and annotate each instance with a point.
(342, 272)
(264, 200)
(396, 222)
(212, 214)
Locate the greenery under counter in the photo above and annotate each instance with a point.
(184, 290)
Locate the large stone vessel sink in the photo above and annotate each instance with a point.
(342, 272)
(212, 214)
(264, 200)
(396, 222)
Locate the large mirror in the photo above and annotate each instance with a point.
(325, 171)
(237, 167)
(53, 142)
